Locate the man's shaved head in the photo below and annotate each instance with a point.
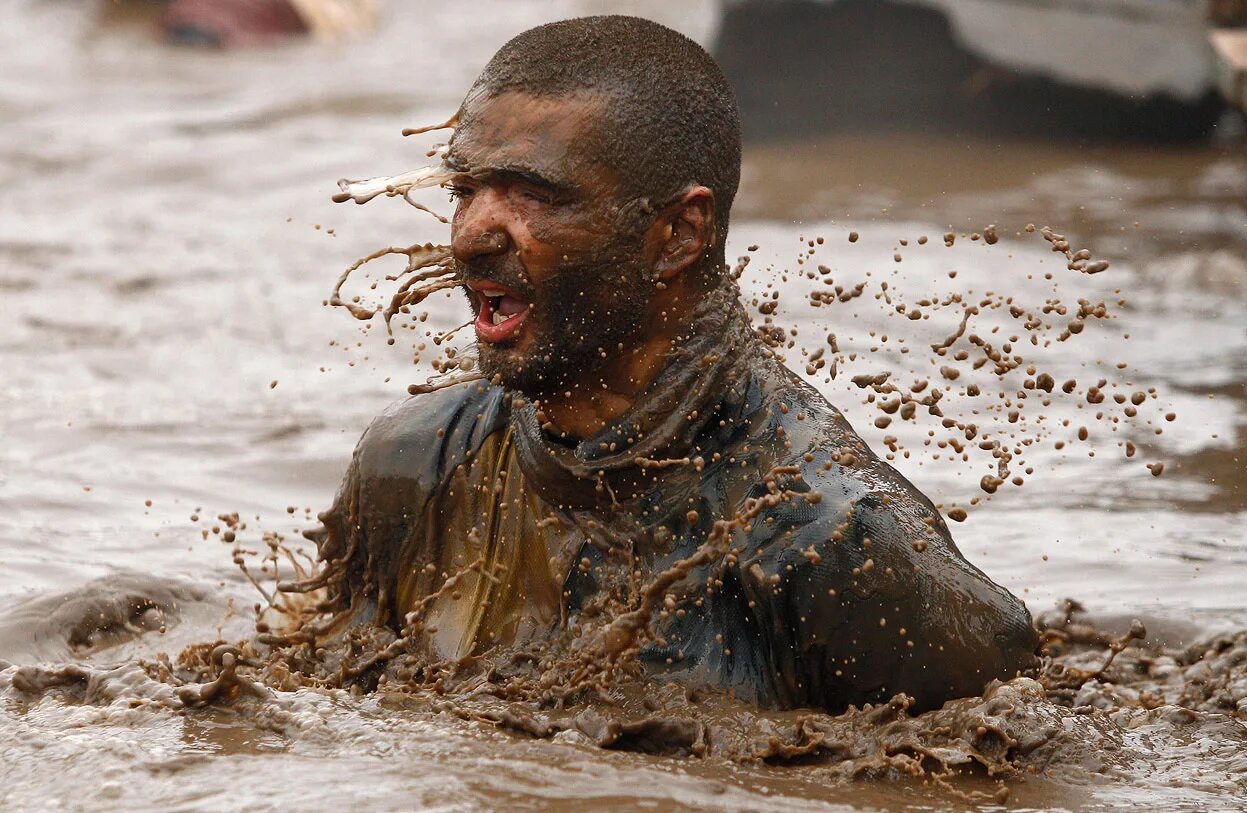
(669, 120)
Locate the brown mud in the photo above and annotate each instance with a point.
(99, 615)
(1106, 708)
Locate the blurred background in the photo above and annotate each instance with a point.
(167, 242)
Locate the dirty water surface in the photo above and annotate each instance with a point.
(179, 396)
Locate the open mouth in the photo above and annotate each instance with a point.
(501, 314)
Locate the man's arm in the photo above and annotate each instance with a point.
(873, 599)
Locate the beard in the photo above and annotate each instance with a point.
(577, 319)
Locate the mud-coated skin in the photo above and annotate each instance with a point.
(850, 597)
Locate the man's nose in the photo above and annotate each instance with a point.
(480, 229)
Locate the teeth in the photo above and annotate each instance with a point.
(499, 318)
(493, 292)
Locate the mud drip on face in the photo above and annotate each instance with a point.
(562, 338)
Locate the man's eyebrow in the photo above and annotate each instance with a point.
(513, 173)
(528, 176)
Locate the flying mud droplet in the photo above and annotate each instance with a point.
(979, 359)
(365, 190)
(450, 124)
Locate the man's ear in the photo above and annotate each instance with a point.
(682, 233)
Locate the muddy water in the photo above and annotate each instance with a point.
(163, 338)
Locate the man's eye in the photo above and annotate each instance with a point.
(538, 197)
(458, 192)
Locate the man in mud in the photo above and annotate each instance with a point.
(636, 464)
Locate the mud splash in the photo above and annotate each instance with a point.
(1121, 709)
(984, 367)
(100, 615)
(1107, 706)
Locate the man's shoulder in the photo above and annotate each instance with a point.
(422, 431)
(832, 457)
(856, 523)
(848, 494)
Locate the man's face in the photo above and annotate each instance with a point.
(555, 277)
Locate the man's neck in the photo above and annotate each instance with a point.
(589, 405)
(597, 398)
